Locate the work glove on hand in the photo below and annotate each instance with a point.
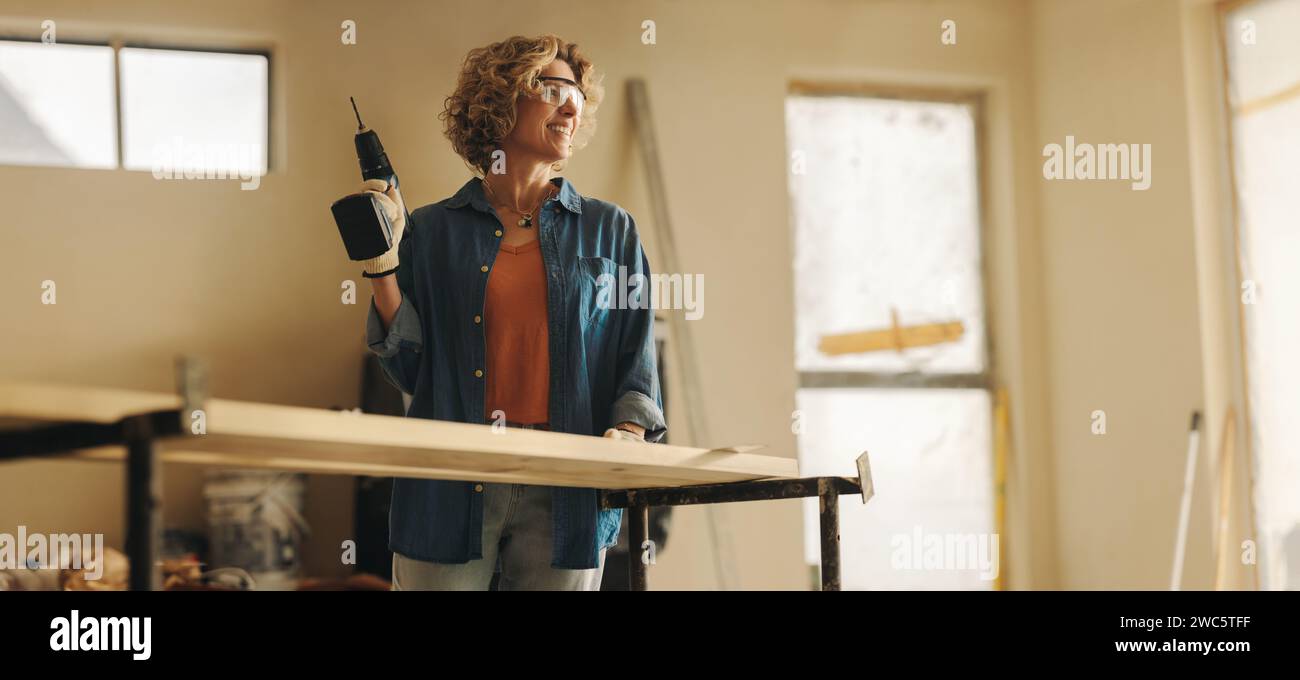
(390, 200)
(615, 433)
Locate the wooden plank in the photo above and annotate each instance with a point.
(247, 434)
(898, 338)
(26, 402)
(1223, 547)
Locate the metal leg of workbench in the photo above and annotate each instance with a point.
(143, 503)
(638, 532)
(829, 500)
(827, 489)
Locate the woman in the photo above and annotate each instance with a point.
(488, 311)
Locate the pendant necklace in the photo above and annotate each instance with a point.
(525, 218)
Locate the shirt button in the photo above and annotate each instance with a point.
(478, 373)
(478, 487)
(498, 232)
(483, 269)
(478, 319)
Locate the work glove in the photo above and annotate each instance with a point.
(390, 200)
(615, 433)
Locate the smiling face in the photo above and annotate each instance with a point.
(543, 130)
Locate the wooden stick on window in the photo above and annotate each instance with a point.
(896, 337)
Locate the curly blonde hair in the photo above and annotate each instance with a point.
(481, 111)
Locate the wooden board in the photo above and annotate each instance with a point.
(248, 434)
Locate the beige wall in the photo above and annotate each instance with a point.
(1126, 325)
(1094, 287)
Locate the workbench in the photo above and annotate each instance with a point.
(147, 429)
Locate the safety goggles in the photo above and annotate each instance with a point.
(556, 91)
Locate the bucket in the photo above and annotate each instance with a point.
(255, 523)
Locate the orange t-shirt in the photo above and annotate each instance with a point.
(518, 350)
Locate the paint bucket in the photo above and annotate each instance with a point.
(255, 523)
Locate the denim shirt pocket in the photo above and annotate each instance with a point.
(596, 297)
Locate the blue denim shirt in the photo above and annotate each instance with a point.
(602, 359)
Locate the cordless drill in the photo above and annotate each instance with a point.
(362, 223)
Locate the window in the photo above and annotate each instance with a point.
(1264, 89)
(181, 110)
(207, 103)
(886, 230)
(57, 105)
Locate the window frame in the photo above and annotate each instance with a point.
(118, 45)
(975, 101)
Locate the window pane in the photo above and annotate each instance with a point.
(201, 110)
(931, 462)
(1266, 141)
(885, 210)
(56, 105)
(1268, 64)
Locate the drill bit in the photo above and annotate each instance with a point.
(360, 125)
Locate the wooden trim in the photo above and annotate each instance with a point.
(1234, 196)
(878, 380)
(834, 88)
(1268, 101)
(1001, 445)
(1226, 6)
(1223, 546)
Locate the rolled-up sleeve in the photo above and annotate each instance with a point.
(638, 399)
(636, 407)
(400, 345)
(405, 328)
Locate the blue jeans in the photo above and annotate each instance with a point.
(517, 532)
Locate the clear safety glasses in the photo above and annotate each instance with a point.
(556, 91)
